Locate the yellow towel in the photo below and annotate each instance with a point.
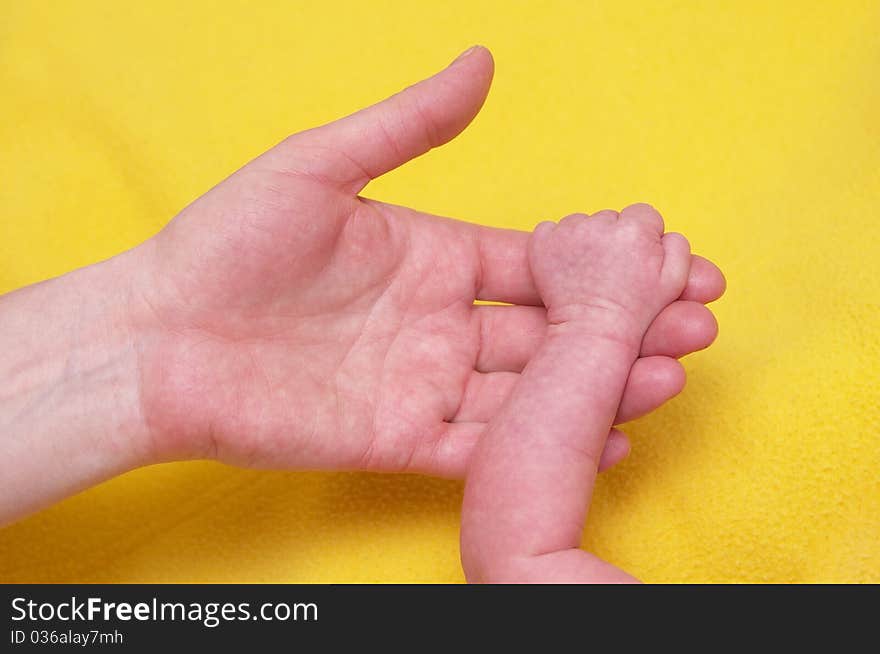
(752, 126)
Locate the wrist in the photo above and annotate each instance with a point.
(597, 321)
(70, 411)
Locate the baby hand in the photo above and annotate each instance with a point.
(611, 273)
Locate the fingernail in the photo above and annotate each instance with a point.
(465, 54)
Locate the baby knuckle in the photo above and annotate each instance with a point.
(544, 227)
(641, 207)
(573, 219)
(606, 215)
(646, 213)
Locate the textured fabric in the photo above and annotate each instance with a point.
(752, 126)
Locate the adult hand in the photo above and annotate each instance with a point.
(281, 320)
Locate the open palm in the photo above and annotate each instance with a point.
(292, 323)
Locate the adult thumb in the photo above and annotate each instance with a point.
(353, 150)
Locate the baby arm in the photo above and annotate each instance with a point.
(603, 279)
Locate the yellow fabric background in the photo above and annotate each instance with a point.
(752, 126)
